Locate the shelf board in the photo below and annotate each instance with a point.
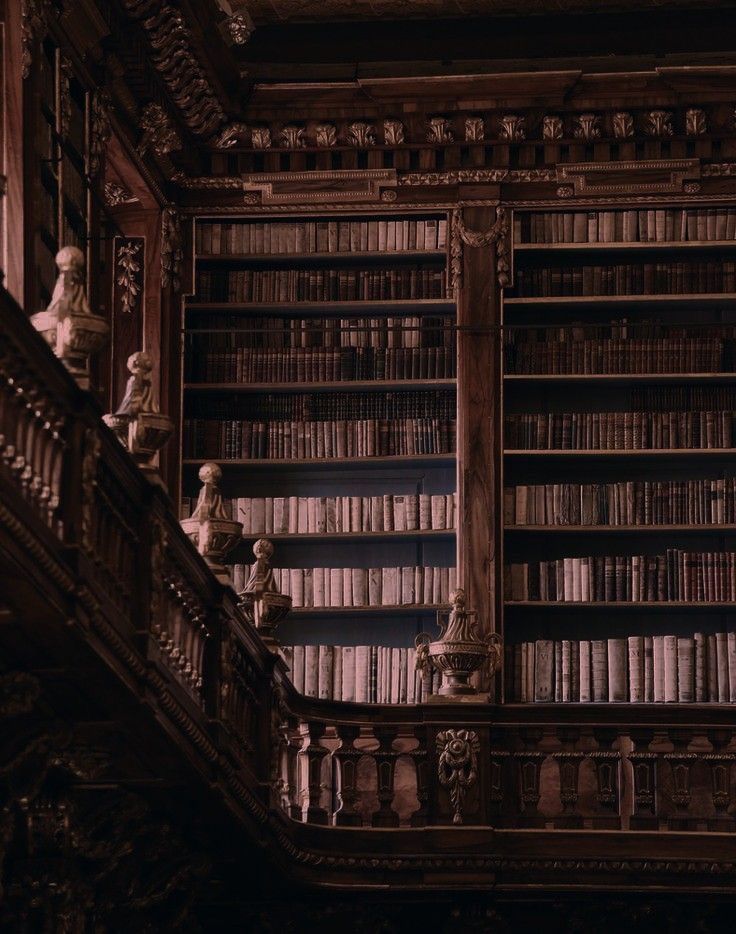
(619, 605)
(430, 306)
(396, 460)
(627, 246)
(690, 300)
(298, 537)
(419, 609)
(339, 258)
(644, 453)
(620, 378)
(368, 385)
(618, 529)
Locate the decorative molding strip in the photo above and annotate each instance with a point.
(460, 176)
(621, 178)
(333, 186)
(208, 182)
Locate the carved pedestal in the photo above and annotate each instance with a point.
(385, 759)
(315, 753)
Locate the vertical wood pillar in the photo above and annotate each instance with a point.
(479, 441)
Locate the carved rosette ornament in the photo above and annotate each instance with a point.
(325, 135)
(439, 130)
(68, 325)
(460, 234)
(512, 128)
(261, 600)
(475, 129)
(362, 135)
(210, 528)
(623, 125)
(260, 137)
(658, 123)
(292, 137)
(138, 424)
(159, 133)
(552, 128)
(457, 765)
(459, 650)
(240, 27)
(587, 127)
(695, 123)
(393, 132)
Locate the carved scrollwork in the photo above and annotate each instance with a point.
(658, 123)
(512, 128)
(587, 127)
(100, 130)
(159, 133)
(457, 765)
(33, 27)
(172, 249)
(116, 194)
(260, 137)
(439, 130)
(460, 234)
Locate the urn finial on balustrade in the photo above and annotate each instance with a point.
(459, 651)
(210, 527)
(68, 325)
(263, 603)
(138, 423)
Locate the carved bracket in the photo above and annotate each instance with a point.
(367, 186)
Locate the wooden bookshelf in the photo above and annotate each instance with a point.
(630, 248)
(206, 334)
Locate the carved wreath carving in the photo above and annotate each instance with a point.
(460, 235)
(457, 765)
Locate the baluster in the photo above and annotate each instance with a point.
(421, 765)
(530, 763)
(719, 762)
(607, 763)
(315, 753)
(385, 758)
(644, 765)
(347, 758)
(499, 765)
(681, 762)
(292, 773)
(568, 763)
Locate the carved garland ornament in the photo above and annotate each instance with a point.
(129, 274)
(460, 235)
(457, 765)
(172, 251)
(100, 130)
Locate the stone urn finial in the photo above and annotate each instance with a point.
(263, 603)
(139, 425)
(459, 650)
(68, 325)
(209, 527)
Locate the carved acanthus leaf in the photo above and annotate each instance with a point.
(512, 128)
(623, 125)
(552, 128)
(587, 127)
(393, 132)
(325, 135)
(439, 130)
(159, 133)
(172, 250)
(229, 135)
(474, 129)
(361, 134)
(658, 123)
(33, 27)
(100, 130)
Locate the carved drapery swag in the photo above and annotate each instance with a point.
(460, 234)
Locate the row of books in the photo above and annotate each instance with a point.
(625, 502)
(389, 512)
(228, 332)
(308, 364)
(633, 355)
(627, 279)
(656, 225)
(369, 437)
(619, 431)
(262, 238)
(358, 587)
(361, 673)
(320, 285)
(638, 670)
(675, 576)
(328, 406)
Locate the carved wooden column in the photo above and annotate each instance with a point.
(385, 758)
(419, 755)
(530, 762)
(644, 766)
(315, 753)
(292, 773)
(347, 757)
(720, 763)
(568, 762)
(479, 441)
(607, 763)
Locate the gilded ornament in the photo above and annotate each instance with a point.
(361, 134)
(99, 130)
(172, 249)
(623, 125)
(552, 128)
(474, 129)
(116, 194)
(512, 128)
(587, 127)
(393, 132)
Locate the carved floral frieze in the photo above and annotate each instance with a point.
(623, 125)
(587, 127)
(325, 135)
(552, 128)
(361, 134)
(512, 128)
(475, 129)
(439, 130)
(393, 132)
